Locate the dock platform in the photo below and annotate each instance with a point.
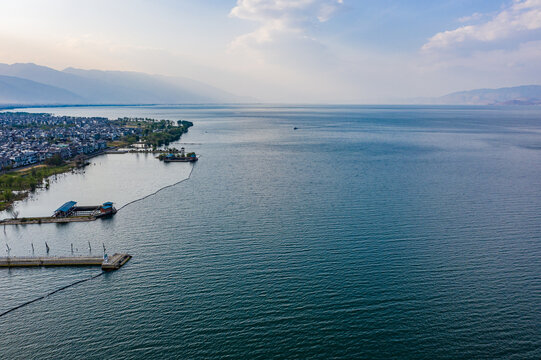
(114, 262)
(68, 213)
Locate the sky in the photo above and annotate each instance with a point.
(314, 51)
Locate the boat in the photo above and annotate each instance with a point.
(107, 209)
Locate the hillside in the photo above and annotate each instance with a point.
(519, 95)
(34, 84)
(14, 90)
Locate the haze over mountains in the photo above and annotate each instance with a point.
(31, 84)
(518, 95)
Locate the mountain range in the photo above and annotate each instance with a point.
(518, 95)
(31, 84)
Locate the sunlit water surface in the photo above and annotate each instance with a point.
(369, 232)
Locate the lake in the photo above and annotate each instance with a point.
(369, 232)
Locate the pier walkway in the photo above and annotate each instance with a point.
(114, 262)
(47, 220)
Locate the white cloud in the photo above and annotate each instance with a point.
(279, 17)
(521, 18)
(473, 17)
(501, 49)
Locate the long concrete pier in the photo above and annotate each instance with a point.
(113, 263)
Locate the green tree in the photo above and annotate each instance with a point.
(55, 160)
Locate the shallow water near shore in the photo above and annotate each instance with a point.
(369, 232)
(120, 178)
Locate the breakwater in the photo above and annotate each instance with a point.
(49, 294)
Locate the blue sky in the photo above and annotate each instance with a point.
(402, 24)
(359, 51)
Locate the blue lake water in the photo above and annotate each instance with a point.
(369, 232)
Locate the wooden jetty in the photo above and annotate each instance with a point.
(112, 263)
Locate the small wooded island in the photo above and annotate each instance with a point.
(34, 147)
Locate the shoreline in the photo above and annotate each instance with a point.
(56, 170)
(70, 166)
(52, 220)
(38, 182)
(19, 182)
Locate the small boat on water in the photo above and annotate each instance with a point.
(107, 209)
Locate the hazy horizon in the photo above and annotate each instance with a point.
(305, 51)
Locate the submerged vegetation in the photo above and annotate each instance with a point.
(15, 185)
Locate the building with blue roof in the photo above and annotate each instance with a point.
(65, 210)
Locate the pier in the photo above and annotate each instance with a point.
(67, 213)
(70, 209)
(46, 220)
(111, 263)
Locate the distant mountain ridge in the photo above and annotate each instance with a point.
(518, 95)
(31, 84)
(14, 90)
